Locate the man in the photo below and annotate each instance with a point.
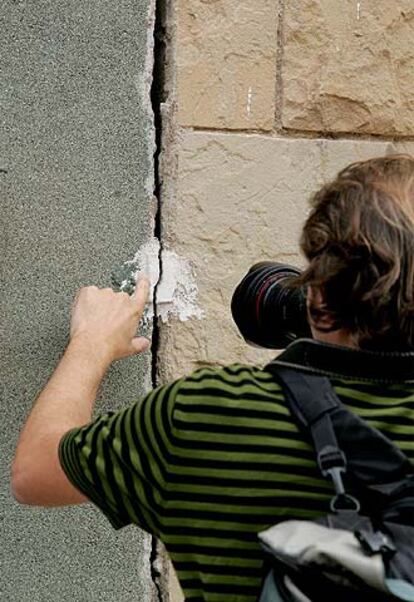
(208, 461)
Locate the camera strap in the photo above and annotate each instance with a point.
(343, 441)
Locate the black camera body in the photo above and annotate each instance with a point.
(267, 310)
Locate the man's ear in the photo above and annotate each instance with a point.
(318, 316)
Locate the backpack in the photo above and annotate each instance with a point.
(363, 549)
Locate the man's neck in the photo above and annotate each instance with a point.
(337, 337)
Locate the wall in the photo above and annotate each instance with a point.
(76, 176)
(267, 101)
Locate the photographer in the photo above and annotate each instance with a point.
(207, 462)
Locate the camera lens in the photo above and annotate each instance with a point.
(267, 312)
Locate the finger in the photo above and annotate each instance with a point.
(141, 293)
(140, 344)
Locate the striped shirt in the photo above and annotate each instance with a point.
(210, 460)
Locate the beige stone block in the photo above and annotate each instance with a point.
(240, 199)
(175, 592)
(348, 66)
(226, 63)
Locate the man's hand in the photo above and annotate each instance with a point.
(108, 321)
(103, 330)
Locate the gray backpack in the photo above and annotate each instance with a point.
(363, 549)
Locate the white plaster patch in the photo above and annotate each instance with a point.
(146, 262)
(176, 291)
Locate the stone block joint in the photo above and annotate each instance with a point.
(279, 64)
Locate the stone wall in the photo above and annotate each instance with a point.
(267, 101)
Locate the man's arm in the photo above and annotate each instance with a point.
(103, 330)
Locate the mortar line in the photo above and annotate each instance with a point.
(158, 93)
(295, 134)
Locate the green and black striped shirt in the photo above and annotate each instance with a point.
(210, 460)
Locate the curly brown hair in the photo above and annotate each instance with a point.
(359, 242)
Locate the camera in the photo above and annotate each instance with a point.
(267, 310)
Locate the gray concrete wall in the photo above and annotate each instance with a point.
(76, 177)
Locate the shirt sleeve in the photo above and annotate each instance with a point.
(120, 460)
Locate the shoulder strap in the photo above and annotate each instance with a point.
(340, 437)
(312, 400)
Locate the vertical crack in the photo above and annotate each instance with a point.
(158, 98)
(156, 575)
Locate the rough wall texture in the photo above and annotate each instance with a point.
(268, 100)
(347, 66)
(231, 198)
(76, 178)
(242, 199)
(226, 52)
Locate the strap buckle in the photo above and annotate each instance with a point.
(329, 458)
(332, 463)
(375, 542)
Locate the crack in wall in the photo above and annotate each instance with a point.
(156, 575)
(158, 98)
